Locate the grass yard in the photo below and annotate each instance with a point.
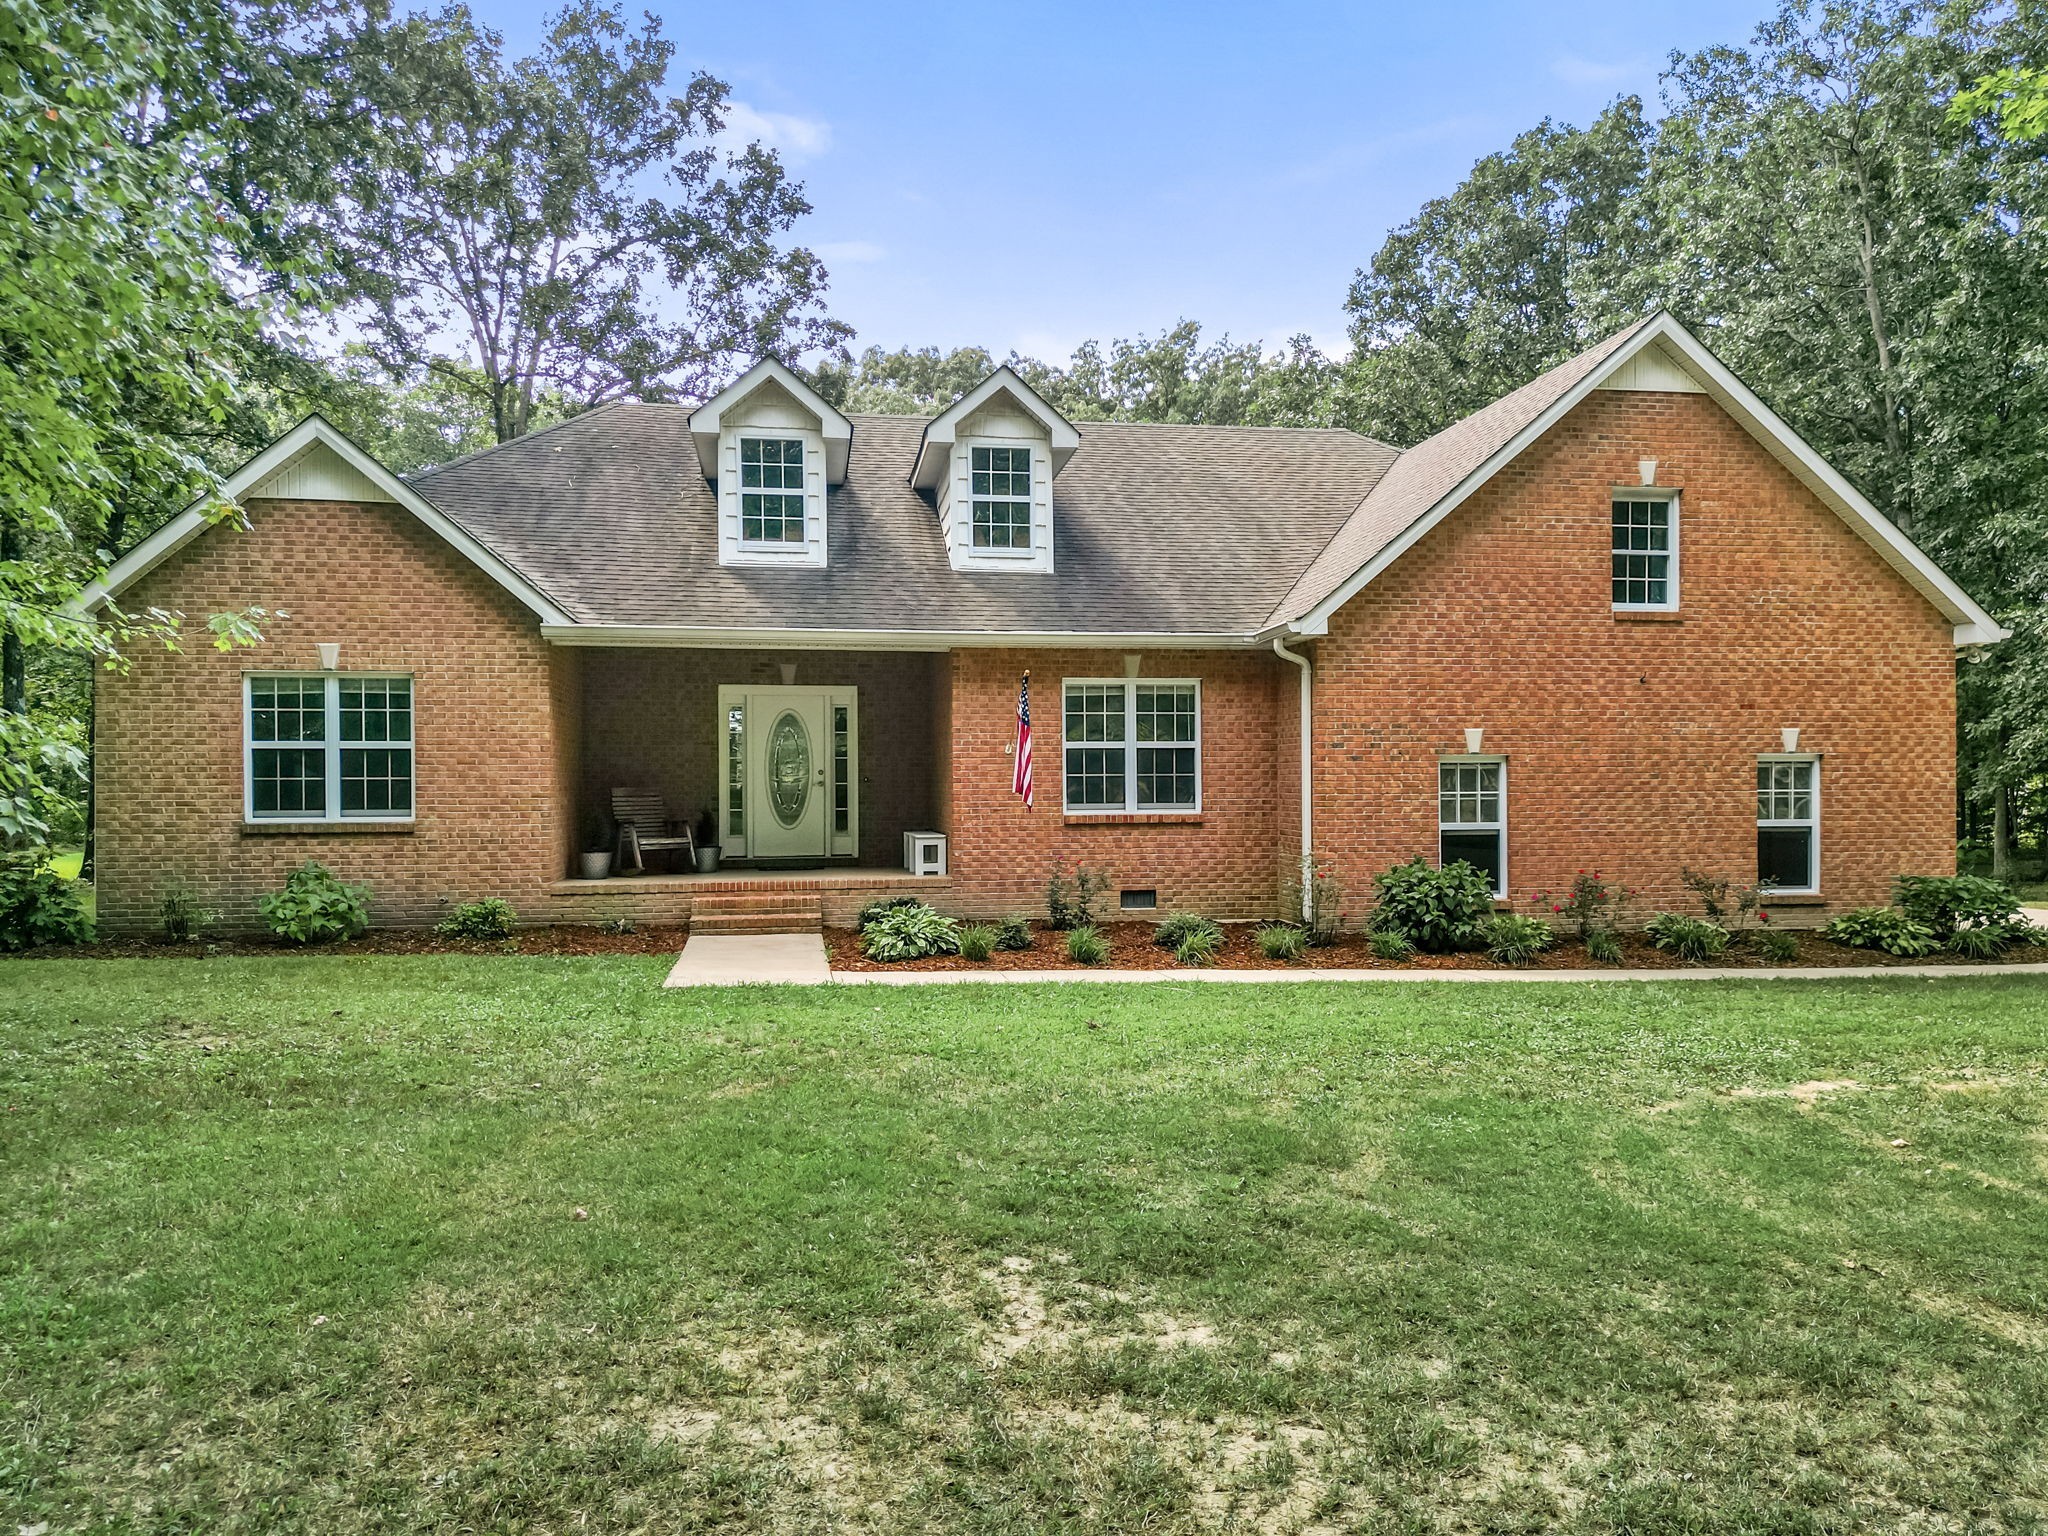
(291, 1245)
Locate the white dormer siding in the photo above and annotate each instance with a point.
(770, 415)
(999, 426)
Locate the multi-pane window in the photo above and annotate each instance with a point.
(736, 771)
(1002, 497)
(328, 748)
(842, 768)
(1788, 823)
(1133, 746)
(1645, 552)
(772, 490)
(1471, 818)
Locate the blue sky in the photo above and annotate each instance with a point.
(1031, 177)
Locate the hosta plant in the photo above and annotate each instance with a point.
(1882, 928)
(910, 933)
(1689, 938)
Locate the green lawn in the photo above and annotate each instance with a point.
(290, 1245)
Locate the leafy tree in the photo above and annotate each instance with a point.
(507, 214)
(912, 381)
(2017, 97)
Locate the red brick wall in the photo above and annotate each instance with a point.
(1222, 862)
(169, 744)
(1631, 742)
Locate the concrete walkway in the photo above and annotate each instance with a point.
(748, 959)
(1689, 973)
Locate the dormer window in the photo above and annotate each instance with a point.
(771, 490)
(1002, 498)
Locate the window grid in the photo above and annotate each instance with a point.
(736, 771)
(1471, 814)
(1133, 746)
(842, 770)
(1788, 823)
(1001, 489)
(771, 490)
(328, 748)
(1644, 550)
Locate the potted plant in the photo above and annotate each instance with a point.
(596, 859)
(707, 842)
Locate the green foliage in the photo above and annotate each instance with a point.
(1603, 947)
(1014, 933)
(491, 918)
(977, 942)
(882, 907)
(1315, 900)
(1198, 945)
(37, 905)
(1085, 945)
(1777, 945)
(618, 927)
(1983, 943)
(1725, 901)
(1391, 944)
(182, 914)
(2016, 98)
(910, 933)
(1883, 928)
(1438, 909)
(1515, 938)
(1176, 926)
(315, 907)
(1689, 938)
(1282, 941)
(1589, 904)
(1070, 899)
(1947, 903)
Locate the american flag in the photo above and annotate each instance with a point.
(1021, 784)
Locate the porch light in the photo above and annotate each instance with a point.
(330, 655)
(789, 674)
(1647, 468)
(1789, 735)
(1132, 661)
(1475, 739)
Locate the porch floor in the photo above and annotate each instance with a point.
(835, 877)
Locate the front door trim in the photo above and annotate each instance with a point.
(734, 710)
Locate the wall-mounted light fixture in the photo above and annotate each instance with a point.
(1647, 468)
(330, 654)
(1475, 739)
(1789, 735)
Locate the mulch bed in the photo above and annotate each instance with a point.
(1131, 949)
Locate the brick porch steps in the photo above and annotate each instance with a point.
(768, 911)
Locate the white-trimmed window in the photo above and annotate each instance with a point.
(326, 747)
(771, 490)
(1645, 551)
(1788, 823)
(1001, 493)
(1133, 746)
(1472, 816)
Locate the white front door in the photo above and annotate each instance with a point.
(789, 764)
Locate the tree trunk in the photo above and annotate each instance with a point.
(13, 654)
(2001, 834)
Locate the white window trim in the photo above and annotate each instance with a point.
(795, 548)
(958, 508)
(1812, 823)
(1500, 827)
(331, 745)
(1645, 493)
(1032, 453)
(735, 549)
(1130, 743)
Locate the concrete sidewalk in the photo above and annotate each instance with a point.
(1689, 973)
(750, 959)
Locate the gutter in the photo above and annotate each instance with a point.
(1307, 774)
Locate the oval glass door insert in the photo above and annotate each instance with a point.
(789, 768)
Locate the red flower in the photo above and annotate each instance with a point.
(1762, 916)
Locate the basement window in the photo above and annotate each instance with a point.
(1138, 901)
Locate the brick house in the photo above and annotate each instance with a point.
(1622, 617)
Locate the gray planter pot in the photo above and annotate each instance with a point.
(707, 861)
(597, 866)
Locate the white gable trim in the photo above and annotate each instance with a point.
(275, 464)
(833, 427)
(935, 449)
(1973, 626)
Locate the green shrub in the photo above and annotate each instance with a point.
(875, 909)
(1439, 909)
(1085, 945)
(1013, 933)
(316, 908)
(1883, 928)
(37, 905)
(1198, 946)
(1070, 902)
(977, 942)
(491, 918)
(1947, 904)
(1176, 926)
(182, 914)
(1515, 938)
(1689, 938)
(1590, 904)
(910, 933)
(1604, 947)
(1986, 942)
(1392, 944)
(1281, 941)
(617, 926)
(1777, 945)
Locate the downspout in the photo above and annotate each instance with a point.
(1307, 776)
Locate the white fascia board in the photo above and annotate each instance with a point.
(658, 635)
(936, 446)
(313, 431)
(1972, 625)
(832, 424)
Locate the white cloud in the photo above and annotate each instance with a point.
(849, 252)
(796, 138)
(1573, 70)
